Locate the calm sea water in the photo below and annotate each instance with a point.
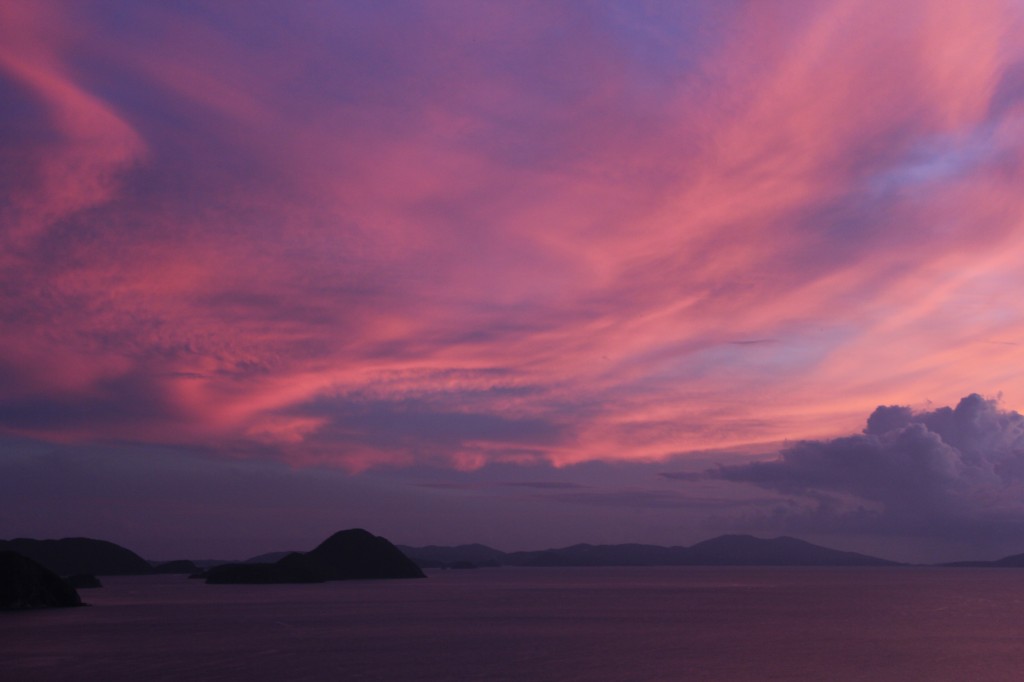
(538, 624)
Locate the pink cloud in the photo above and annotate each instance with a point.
(78, 164)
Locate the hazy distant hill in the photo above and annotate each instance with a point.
(177, 566)
(435, 556)
(746, 550)
(726, 550)
(1012, 561)
(70, 556)
(268, 558)
(601, 555)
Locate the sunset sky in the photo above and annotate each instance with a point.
(520, 273)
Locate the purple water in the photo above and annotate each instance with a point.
(538, 624)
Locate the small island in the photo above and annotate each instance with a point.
(353, 554)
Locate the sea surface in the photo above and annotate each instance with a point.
(684, 623)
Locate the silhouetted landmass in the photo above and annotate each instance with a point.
(1012, 561)
(357, 554)
(726, 550)
(347, 555)
(602, 555)
(79, 555)
(84, 581)
(435, 556)
(458, 565)
(25, 584)
(294, 568)
(746, 550)
(204, 564)
(268, 558)
(177, 566)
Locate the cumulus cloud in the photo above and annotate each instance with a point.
(946, 472)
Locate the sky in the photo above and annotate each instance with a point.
(521, 273)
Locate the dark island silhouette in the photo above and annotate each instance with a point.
(353, 554)
(725, 550)
(71, 556)
(25, 584)
(357, 554)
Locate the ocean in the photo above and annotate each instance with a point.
(665, 623)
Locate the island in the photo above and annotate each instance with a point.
(353, 554)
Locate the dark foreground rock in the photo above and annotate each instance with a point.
(24, 584)
(347, 555)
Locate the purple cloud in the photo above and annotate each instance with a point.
(956, 473)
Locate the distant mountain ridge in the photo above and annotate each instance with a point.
(268, 558)
(1012, 561)
(725, 550)
(437, 556)
(71, 556)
